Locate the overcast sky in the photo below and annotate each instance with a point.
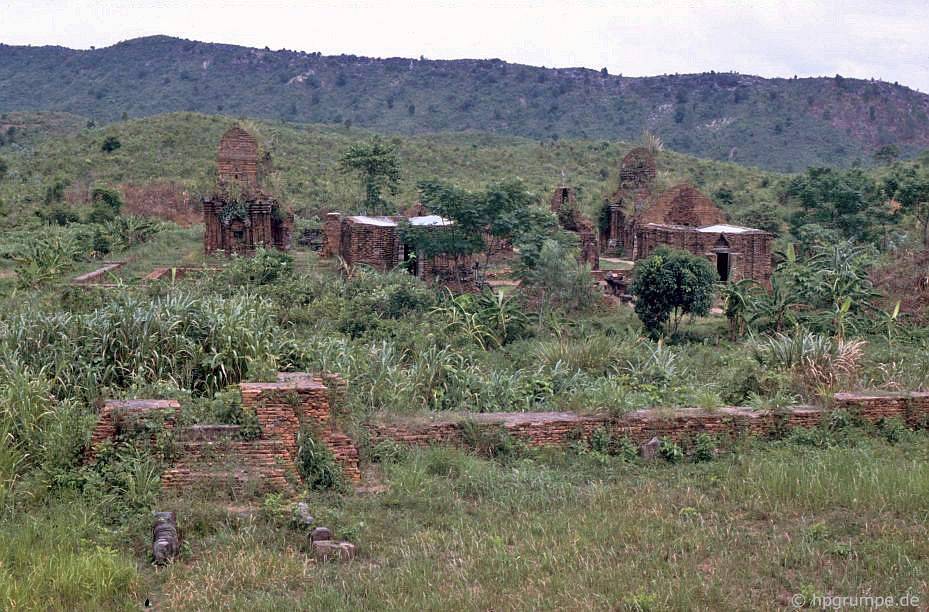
(886, 39)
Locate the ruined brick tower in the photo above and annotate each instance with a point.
(237, 160)
(564, 205)
(238, 216)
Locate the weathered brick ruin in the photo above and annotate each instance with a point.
(680, 425)
(737, 252)
(218, 457)
(239, 217)
(100, 276)
(214, 456)
(564, 205)
(640, 220)
(118, 417)
(637, 174)
(376, 242)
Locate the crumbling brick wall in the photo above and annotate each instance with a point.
(115, 415)
(211, 455)
(680, 425)
(682, 204)
(375, 245)
(237, 158)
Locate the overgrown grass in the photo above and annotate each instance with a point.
(556, 531)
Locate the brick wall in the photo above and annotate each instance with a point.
(375, 245)
(749, 252)
(116, 414)
(682, 204)
(680, 425)
(237, 158)
(214, 457)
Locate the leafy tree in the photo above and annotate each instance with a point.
(847, 201)
(887, 154)
(909, 187)
(106, 205)
(110, 144)
(670, 284)
(502, 211)
(378, 167)
(739, 297)
(557, 279)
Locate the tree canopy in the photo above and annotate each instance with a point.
(848, 203)
(670, 284)
(378, 168)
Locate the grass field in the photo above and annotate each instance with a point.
(448, 530)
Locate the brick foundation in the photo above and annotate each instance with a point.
(116, 414)
(214, 457)
(561, 428)
(96, 276)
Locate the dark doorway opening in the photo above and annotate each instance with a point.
(722, 266)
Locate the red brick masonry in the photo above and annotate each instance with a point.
(561, 428)
(210, 455)
(213, 456)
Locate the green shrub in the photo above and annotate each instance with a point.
(316, 463)
(704, 447)
(670, 451)
(491, 441)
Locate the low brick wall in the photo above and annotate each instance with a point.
(94, 277)
(680, 425)
(115, 414)
(176, 273)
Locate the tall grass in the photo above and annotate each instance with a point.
(197, 343)
(49, 562)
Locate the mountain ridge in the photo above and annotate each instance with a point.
(776, 123)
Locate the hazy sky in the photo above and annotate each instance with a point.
(887, 39)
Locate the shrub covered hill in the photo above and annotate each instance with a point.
(179, 150)
(783, 124)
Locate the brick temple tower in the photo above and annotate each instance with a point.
(238, 216)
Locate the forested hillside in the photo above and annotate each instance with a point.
(784, 124)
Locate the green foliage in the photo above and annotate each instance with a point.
(490, 319)
(908, 185)
(201, 344)
(107, 204)
(110, 144)
(502, 210)
(494, 442)
(316, 463)
(52, 558)
(848, 202)
(265, 267)
(125, 232)
(555, 278)
(704, 447)
(378, 168)
(670, 451)
(669, 285)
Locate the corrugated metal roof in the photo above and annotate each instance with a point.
(723, 228)
(379, 221)
(429, 220)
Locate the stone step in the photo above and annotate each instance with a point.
(208, 432)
